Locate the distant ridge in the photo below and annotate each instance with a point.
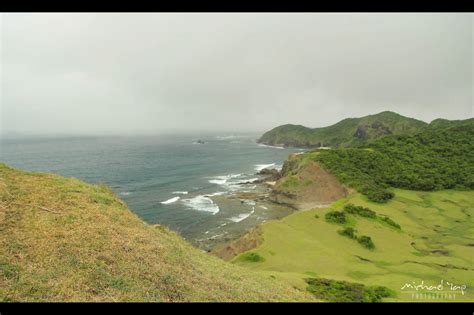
(347, 132)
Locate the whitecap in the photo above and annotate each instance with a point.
(228, 137)
(125, 193)
(263, 207)
(171, 200)
(247, 181)
(180, 192)
(218, 181)
(248, 202)
(269, 146)
(202, 203)
(224, 180)
(242, 216)
(217, 193)
(259, 167)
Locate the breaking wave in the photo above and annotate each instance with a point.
(171, 200)
(202, 203)
(242, 216)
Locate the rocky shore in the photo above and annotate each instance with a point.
(295, 187)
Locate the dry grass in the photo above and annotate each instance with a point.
(65, 240)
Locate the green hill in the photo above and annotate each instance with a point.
(435, 158)
(347, 132)
(441, 123)
(65, 240)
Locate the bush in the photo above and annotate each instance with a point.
(366, 241)
(343, 291)
(348, 232)
(250, 257)
(360, 211)
(336, 217)
(390, 222)
(367, 213)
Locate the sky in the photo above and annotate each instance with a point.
(94, 74)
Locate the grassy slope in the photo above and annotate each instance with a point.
(343, 132)
(301, 246)
(65, 240)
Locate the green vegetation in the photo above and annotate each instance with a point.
(348, 232)
(338, 217)
(367, 213)
(435, 159)
(251, 257)
(347, 132)
(390, 222)
(343, 291)
(366, 241)
(434, 244)
(65, 240)
(360, 211)
(363, 240)
(291, 182)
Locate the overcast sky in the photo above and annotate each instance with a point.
(152, 73)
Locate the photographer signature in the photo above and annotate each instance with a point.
(451, 287)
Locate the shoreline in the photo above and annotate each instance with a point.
(323, 190)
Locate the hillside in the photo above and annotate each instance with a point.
(347, 132)
(435, 158)
(441, 123)
(434, 243)
(65, 240)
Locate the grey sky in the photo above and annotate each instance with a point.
(151, 73)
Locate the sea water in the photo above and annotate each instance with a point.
(169, 180)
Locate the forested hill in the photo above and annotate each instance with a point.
(438, 157)
(347, 132)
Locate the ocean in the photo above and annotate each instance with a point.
(169, 180)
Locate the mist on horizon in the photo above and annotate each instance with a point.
(170, 73)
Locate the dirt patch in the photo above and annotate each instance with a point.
(247, 242)
(311, 186)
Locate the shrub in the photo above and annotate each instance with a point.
(366, 241)
(367, 213)
(348, 232)
(390, 222)
(343, 291)
(250, 257)
(361, 211)
(336, 217)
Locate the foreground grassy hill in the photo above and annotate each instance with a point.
(347, 132)
(434, 243)
(65, 240)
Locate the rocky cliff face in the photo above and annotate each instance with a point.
(305, 187)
